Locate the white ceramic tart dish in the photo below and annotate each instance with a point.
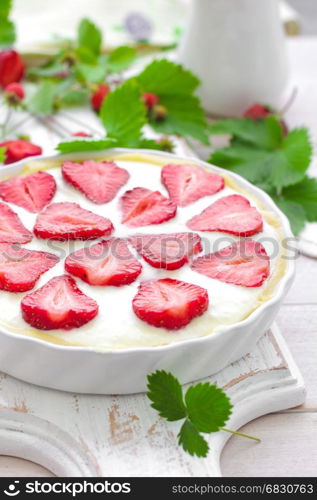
(113, 353)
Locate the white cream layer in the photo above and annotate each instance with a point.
(116, 325)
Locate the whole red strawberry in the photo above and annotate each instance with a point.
(150, 100)
(11, 67)
(15, 89)
(258, 112)
(19, 149)
(99, 95)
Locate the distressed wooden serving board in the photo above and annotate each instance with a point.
(85, 435)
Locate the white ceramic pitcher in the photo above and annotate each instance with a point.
(238, 50)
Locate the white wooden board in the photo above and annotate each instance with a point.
(84, 435)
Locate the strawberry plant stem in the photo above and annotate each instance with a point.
(241, 434)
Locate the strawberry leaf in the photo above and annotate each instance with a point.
(163, 77)
(121, 58)
(304, 193)
(293, 160)
(7, 32)
(165, 392)
(82, 145)
(42, 101)
(245, 160)
(191, 441)
(281, 164)
(49, 70)
(5, 8)
(174, 86)
(89, 36)
(208, 407)
(123, 114)
(185, 117)
(68, 93)
(266, 134)
(293, 211)
(91, 73)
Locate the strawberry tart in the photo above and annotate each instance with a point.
(131, 250)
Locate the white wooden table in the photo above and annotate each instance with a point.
(288, 437)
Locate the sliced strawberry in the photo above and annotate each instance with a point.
(244, 263)
(58, 304)
(188, 183)
(99, 181)
(142, 207)
(168, 303)
(108, 262)
(11, 228)
(20, 268)
(32, 192)
(167, 251)
(231, 214)
(68, 221)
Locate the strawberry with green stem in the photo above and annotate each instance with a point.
(258, 112)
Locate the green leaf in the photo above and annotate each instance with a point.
(90, 73)
(50, 70)
(293, 211)
(251, 163)
(174, 86)
(5, 8)
(266, 134)
(163, 77)
(73, 98)
(82, 145)
(185, 117)
(121, 58)
(304, 193)
(150, 144)
(42, 101)
(93, 72)
(208, 407)
(191, 441)
(85, 55)
(123, 114)
(7, 32)
(69, 93)
(293, 160)
(283, 166)
(89, 36)
(2, 154)
(165, 392)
